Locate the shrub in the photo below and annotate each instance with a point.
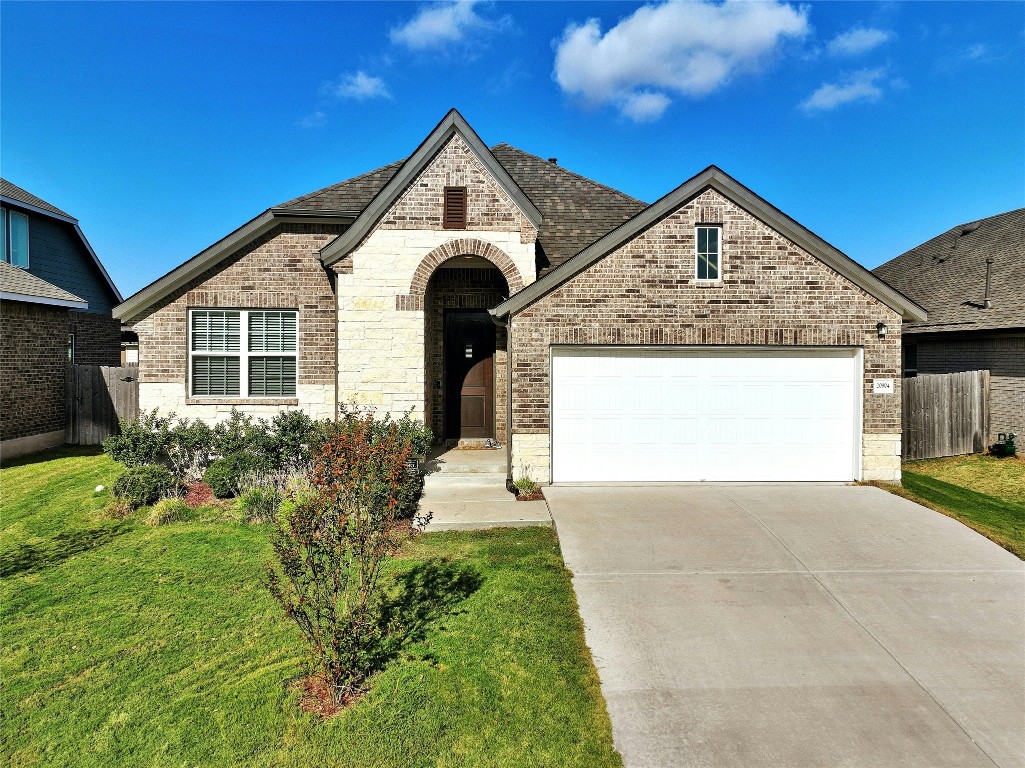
(291, 439)
(331, 544)
(141, 441)
(526, 486)
(189, 445)
(259, 504)
(145, 485)
(168, 511)
(240, 433)
(225, 475)
(118, 508)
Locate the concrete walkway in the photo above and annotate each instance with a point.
(796, 625)
(465, 490)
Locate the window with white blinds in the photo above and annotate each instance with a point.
(236, 351)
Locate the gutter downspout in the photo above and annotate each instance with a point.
(506, 322)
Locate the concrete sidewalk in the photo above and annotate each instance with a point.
(796, 625)
(465, 490)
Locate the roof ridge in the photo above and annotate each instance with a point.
(567, 171)
(308, 195)
(34, 201)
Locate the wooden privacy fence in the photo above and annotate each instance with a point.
(945, 414)
(99, 398)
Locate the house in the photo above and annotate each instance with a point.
(971, 279)
(55, 307)
(706, 336)
(46, 242)
(35, 327)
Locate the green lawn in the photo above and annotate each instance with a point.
(985, 493)
(129, 645)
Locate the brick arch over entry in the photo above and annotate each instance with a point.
(464, 247)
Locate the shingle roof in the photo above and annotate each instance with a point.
(947, 275)
(14, 280)
(14, 192)
(576, 210)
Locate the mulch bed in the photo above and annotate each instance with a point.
(535, 496)
(199, 495)
(316, 697)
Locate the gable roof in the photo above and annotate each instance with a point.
(451, 125)
(15, 195)
(349, 196)
(714, 178)
(18, 285)
(947, 275)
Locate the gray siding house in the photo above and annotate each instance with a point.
(971, 279)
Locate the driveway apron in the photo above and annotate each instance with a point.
(796, 625)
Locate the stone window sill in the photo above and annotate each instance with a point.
(242, 401)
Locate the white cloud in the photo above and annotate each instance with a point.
(682, 48)
(863, 85)
(443, 24)
(356, 85)
(857, 41)
(315, 119)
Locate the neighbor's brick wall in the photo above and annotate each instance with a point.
(97, 338)
(33, 355)
(1003, 355)
(280, 270)
(461, 288)
(772, 292)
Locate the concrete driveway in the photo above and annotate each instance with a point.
(796, 625)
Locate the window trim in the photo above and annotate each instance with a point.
(697, 254)
(8, 242)
(243, 355)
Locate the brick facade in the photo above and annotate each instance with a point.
(1003, 355)
(645, 293)
(33, 355)
(280, 270)
(97, 338)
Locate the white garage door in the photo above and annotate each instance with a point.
(670, 414)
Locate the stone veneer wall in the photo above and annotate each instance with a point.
(1003, 355)
(33, 354)
(461, 288)
(382, 284)
(645, 293)
(279, 270)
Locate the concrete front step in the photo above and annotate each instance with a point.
(476, 515)
(465, 461)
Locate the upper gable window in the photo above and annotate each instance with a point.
(454, 216)
(709, 252)
(14, 237)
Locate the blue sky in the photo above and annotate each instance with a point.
(164, 126)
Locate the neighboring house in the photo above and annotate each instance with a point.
(35, 321)
(971, 279)
(704, 337)
(46, 242)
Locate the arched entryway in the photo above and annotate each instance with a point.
(464, 350)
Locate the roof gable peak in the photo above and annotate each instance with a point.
(453, 124)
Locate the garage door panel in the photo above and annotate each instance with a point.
(622, 414)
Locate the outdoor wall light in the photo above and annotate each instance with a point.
(881, 330)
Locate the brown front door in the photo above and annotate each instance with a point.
(469, 374)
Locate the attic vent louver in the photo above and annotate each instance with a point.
(454, 216)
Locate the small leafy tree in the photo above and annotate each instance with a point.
(188, 449)
(331, 543)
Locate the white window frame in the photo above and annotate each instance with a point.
(71, 348)
(8, 243)
(697, 254)
(243, 355)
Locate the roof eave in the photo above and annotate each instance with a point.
(713, 177)
(30, 299)
(453, 123)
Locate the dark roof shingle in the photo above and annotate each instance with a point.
(17, 281)
(947, 276)
(14, 192)
(576, 211)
